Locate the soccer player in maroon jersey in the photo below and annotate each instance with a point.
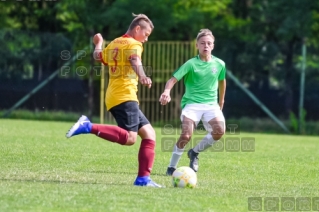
(123, 57)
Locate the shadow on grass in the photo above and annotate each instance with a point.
(59, 181)
(121, 173)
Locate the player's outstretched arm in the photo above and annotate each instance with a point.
(98, 42)
(165, 96)
(222, 92)
(137, 66)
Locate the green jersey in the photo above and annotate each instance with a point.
(201, 80)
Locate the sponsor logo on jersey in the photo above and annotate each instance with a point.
(214, 70)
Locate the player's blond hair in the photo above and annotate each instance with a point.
(204, 32)
(140, 20)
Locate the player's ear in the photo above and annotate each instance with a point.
(137, 28)
(196, 45)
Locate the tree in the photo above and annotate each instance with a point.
(268, 44)
(83, 19)
(29, 40)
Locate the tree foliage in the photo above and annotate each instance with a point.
(259, 40)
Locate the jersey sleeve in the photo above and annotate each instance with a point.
(104, 56)
(222, 73)
(182, 71)
(134, 50)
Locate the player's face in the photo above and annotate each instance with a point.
(205, 45)
(141, 34)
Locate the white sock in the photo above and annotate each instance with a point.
(207, 142)
(176, 155)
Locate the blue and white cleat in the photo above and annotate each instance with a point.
(146, 181)
(82, 126)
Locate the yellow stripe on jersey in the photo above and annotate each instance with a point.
(123, 80)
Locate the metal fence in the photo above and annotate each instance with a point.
(160, 58)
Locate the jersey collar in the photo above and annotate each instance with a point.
(205, 61)
(126, 36)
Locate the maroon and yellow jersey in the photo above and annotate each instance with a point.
(123, 80)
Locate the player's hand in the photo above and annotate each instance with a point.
(97, 38)
(164, 98)
(146, 81)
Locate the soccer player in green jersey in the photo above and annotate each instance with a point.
(203, 100)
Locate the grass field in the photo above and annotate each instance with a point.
(41, 170)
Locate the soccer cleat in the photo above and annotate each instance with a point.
(146, 181)
(170, 171)
(82, 126)
(153, 184)
(193, 157)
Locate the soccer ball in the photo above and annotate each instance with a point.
(184, 177)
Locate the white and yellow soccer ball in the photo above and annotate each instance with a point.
(184, 177)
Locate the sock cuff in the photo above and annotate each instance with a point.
(177, 150)
(208, 136)
(123, 136)
(148, 142)
(146, 177)
(94, 129)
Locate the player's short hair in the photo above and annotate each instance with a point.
(140, 20)
(204, 32)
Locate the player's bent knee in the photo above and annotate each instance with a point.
(131, 139)
(130, 142)
(147, 132)
(185, 137)
(151, 134)
(217, 136)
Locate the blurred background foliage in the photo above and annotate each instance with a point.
(260, 41)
